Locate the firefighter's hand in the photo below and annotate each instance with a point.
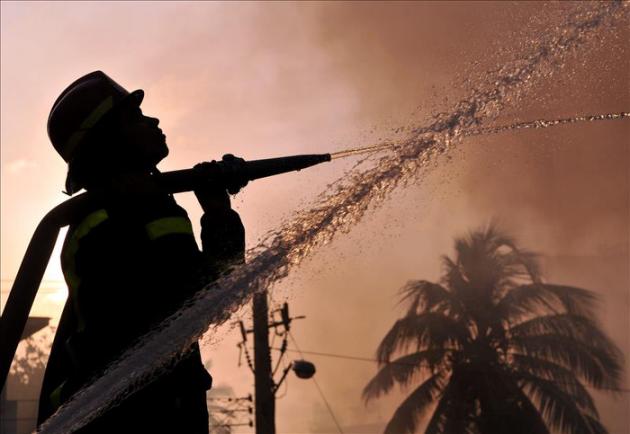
(212, 195)
(223, 178)
(233, 170)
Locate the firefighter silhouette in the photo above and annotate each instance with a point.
(133, 261)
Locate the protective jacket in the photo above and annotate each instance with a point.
(128, 265)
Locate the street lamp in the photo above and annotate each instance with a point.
(303, 369)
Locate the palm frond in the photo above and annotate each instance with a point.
(402, 371)
(424, 296)
(409, 412)
(440, 414)
(545, 298)
(478, 266)
(573, 326)
(577, 301)
(518, 264)
(453, 278)
(565, 379)
(489, 262)
(559, 408)
(427, 330)
(597, 367)
(522, 263)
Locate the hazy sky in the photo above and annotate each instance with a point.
(262, 80)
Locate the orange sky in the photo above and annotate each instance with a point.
(282, 78)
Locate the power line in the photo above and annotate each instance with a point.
(319, 389)
(367, 359)
(338, 356)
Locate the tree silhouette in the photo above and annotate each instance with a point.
(496, 349)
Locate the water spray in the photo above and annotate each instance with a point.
(535, 125)
(544, 123)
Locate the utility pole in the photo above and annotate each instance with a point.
(266, 386)
(265, 390)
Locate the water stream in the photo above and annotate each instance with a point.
(341, 207)
(535, 124)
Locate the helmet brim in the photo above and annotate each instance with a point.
(134, 99)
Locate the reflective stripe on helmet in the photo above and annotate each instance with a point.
(167, 226)
(69, 256)
(96, 115)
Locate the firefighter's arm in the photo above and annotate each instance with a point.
(222, 232)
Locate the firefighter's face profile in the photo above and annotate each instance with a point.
(144, 141)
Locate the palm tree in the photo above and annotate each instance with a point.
(496, 350)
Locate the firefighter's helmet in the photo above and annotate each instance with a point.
(80, 107)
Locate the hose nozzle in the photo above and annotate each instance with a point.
(189, 179)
